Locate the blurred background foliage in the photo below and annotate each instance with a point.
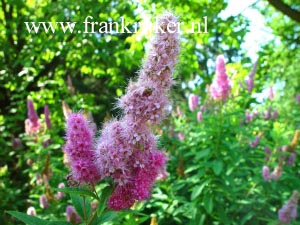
(89, 71)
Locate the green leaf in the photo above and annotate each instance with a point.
(78, 203)
(217, 167)
(59, 223)
(198, 189)
(77, 191)
(30, 220)
(106, 217)
(208, 203)
(106, 192)
(202, 153)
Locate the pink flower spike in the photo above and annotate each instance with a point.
(32, 124)
(59, 194)
(79, 149)
(181, 136)
(32, 114)
(288, 212)
(179, 113)
(199, 116)
(220, 87)
(72, 215)
(266, 173)
(44, 204)
(298, 98)
(193, 102)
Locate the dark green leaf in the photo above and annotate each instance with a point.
(30, 220)
(78, 191)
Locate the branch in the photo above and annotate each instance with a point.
(286, 9)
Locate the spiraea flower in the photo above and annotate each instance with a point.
(79, 149)
(288, 212)
(31, 211)
(59, 194)
(250, 77)
(127, 150)
(193, 102)
(44, 204)
(199, 116)
(32, 123)
(266, 173)
(220, 87)
(72, 215)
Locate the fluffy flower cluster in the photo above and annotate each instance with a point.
(79, 149)
(126, 150)
(220, 87)
(250, 78)
(32, 123)
(288, 211)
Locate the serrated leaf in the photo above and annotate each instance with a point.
(30, 220)
(77, 191)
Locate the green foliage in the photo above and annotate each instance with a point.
(214, 174)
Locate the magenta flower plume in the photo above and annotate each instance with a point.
(59, 194)
(298, 98)
(291, 159)
(266, 173)
(193, 102)
(126, 150)
(254, 143)
(199, 116)
(250, 77)
(44, 204)
(32, 123)
(47, 117)
(79, 149)
(288, 212)
(72, 215)
(220, 87)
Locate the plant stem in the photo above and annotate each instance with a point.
(92, 218)
(84, 210)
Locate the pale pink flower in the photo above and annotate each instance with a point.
(220, 87)
(59, 194)
(181, 136)
(44, 204)
(193, 102)
(31, 211)
(266, 173)
(72, 215)
(288, 212)
(199, 116)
